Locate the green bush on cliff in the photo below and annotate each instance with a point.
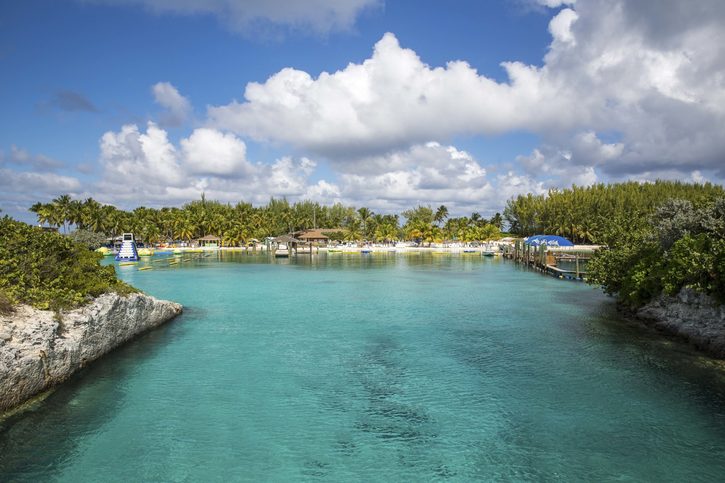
(50, 271)
(682, 245)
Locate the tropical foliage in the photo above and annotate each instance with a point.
(680, 245)
(586, 215)
(426, 226)
(238, 224)
(49, 270)
(90, 239)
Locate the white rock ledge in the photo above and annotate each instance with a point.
(37, 351)
(691, 315)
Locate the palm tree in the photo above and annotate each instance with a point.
(352, 232)
(441, 214)
(61, 209)
(386, 232)
(92, 215)
(43, 211)
(364, 214)
(75, 214)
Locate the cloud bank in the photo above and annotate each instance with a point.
(626, 90)
(654, 78)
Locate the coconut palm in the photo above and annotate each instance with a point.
(44, 212)
(62, 211)
(353, 231)
(441, 214)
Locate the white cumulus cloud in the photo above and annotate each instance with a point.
(390, 100)
(207, 151)
(654, 76)
(178, 107)
(560, 26)
(144, 166)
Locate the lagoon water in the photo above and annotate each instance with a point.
(383, 367)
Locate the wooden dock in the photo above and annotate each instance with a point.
(293, 247)
(548, 259)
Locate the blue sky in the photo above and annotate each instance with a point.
(148, 102)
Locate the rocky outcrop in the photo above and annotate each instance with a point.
(691, 315)
(39, 348)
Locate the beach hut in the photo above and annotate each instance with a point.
(312, 236)
(286, 245)
(283, 246)
(209, 241)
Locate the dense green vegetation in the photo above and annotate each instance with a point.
(49, 270)
(585, 215)
(237, 224)
(680, 245)
(90, 239)
(661, 236)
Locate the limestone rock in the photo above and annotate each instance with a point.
(38, 349)
(692, 315)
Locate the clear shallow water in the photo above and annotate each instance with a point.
(377, 367)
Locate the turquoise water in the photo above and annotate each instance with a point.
(377, 367)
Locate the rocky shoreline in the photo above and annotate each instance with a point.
(691, 315)
(40, 349)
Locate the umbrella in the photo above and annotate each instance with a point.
(548, 240)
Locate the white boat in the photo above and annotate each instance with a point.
(489, 250)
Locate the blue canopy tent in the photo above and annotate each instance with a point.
(548, 240)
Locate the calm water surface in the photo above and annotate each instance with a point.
(377, 367)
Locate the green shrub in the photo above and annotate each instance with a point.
(6, 306)
(631, 269)
(50, 271)
(683, 246)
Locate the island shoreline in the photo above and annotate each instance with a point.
(690, 316)
(40, 349)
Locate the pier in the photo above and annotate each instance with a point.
(287, 245)
(566, 262)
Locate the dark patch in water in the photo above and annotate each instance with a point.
(387, 415)
(346, 447)
(315, 468)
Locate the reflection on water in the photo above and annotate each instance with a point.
(377, 367)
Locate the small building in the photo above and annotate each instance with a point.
(312, 236)
(209, 241)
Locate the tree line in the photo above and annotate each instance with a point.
(238, 224)
(585, 214)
